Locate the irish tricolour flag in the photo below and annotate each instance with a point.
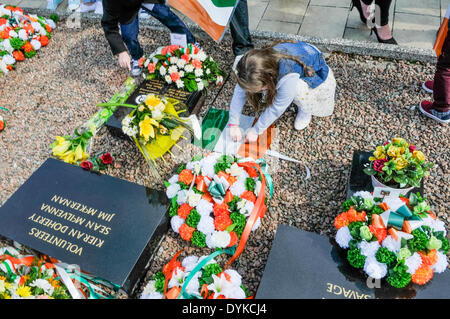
(211, 15)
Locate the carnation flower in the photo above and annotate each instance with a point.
(392, 244)
(172, 69)
(194, 198)
(343, 237)
(176, 222)
(189, 263)
(36, 44)
(369, 249)
(180, 84)
(363, 194)
(375, 269)
(189, 68)
(198, 72)
(238, 188)
(220, 239)
(441, 264)
(173, 190)
(181, 63)
(206, 225)
(204, 207)
(248, 208)
(9, 59)
(182, 196)
(413, 263)
(200, 85)
(150, 291)
(44, 285)
(173, 179)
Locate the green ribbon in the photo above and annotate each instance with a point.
(396, 220)
(10, 272)
(404, 211)
(262, 163)
(216, 190)
(4, 108)
(85, 279)
(197, 268)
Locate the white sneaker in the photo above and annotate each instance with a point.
(302, 120)
(135, 69)
(98, 7)
(236, 61)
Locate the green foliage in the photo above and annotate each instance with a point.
(198, 239)
(224, 162)
(239, 220)
(250, 184)
(193, 218)
(353, 244)
(386, 256)
(233, 204)
(16, 43)
(445, 245)
(183, 185)
(159, 281)
(173, 210)
(247, 292)
(182, 167)
(398, 277)
(354, 230)
(355, 258)
(418, 242)
(346, 205)
(54, 17)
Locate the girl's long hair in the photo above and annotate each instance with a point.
(258, 71)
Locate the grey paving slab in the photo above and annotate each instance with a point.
(359, 34)
(419, 7)
(324, 22)
(331, 3)
(284, 27)
(13, 2)
(444, 6)
(256, 10)
(35, 4)
(414, 22)
(286, 10)
(423, 39)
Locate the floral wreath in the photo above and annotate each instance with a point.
(398, 238)
(213, 200)
(195, 278)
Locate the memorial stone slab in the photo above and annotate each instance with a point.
(107, 226)
(306, 265)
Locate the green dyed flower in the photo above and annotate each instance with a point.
(346, 205)
(354, 230)
(250, 184)
(365, 233)
(419, 241)
(193, 218)
(233, 204)
(159, 281)
(239, 221)
(403, 254)
(198, 239)
(208, 271)
(399, 277)
(386, 256)
(355, 258)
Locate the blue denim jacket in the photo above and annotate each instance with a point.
(309, 55)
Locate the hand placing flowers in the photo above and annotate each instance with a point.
(188, 68)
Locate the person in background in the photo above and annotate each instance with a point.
(273, 77)
(240, 33)
(439, 108)
(125, 14)
(376, 10)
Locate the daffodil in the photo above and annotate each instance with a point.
(419, 155)
(23, 291)
(146, 127)
(2, 286)
(80, 155)
(60, 146)
(68, 157)
(152, 101)
(378, 154)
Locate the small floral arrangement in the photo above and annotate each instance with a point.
(34, 279)
(188, 68)
(396, 238)
(212, 198)
(21, 36)
(398, 163)
(98, 162)
(210, 282)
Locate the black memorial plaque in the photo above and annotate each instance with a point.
(191, 102)
(107, 226)
(305, 265)
(360, 181)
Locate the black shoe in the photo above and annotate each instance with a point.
(357, 4)
(387, 41)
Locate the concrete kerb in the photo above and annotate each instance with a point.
(326, 45)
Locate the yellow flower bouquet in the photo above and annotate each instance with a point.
(398, 164)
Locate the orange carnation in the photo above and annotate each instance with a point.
(4, 34)
(44, 40)
(429, 259)
(2, 21)
(184, 210)
(341, 221)
(248, 195)
(186, 177)
(422, 275)
(27, 47)
(48, 28)
(186, 232)
(221, 209)
(221, 222)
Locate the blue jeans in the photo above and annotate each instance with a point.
(165, 16)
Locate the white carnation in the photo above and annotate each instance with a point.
(173, 179)
(180, 84)
(238, 188)
(200, 85)
(194, 166)
(343, 237)
(172, 69)
(189, 68)
(194, 199)
(247, 209)
(363, 194)
(375, 269)
(206, 225)
(189, 263)
(220, 239)
(9, 59)
(36, 44)
(182, 197)
(168, 79)
(391, 244)
(23, 35)
(413, 263)
(150, 291)
(204, 208)
(172, 190)
(181, 63)
(176, 222)
(198, 72)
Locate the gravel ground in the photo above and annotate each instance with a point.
(376, 100)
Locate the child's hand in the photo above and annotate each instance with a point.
(124, 60)
(235, 133)
(251, 136)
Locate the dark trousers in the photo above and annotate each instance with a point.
(165, 16)
(242, 42)
(383, 6)
(441, 87)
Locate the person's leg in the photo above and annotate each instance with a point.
(170, 20)
(381, 16)
(130, 38)
(240, 33)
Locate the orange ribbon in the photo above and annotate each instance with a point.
(259, 209)
(167, 272)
